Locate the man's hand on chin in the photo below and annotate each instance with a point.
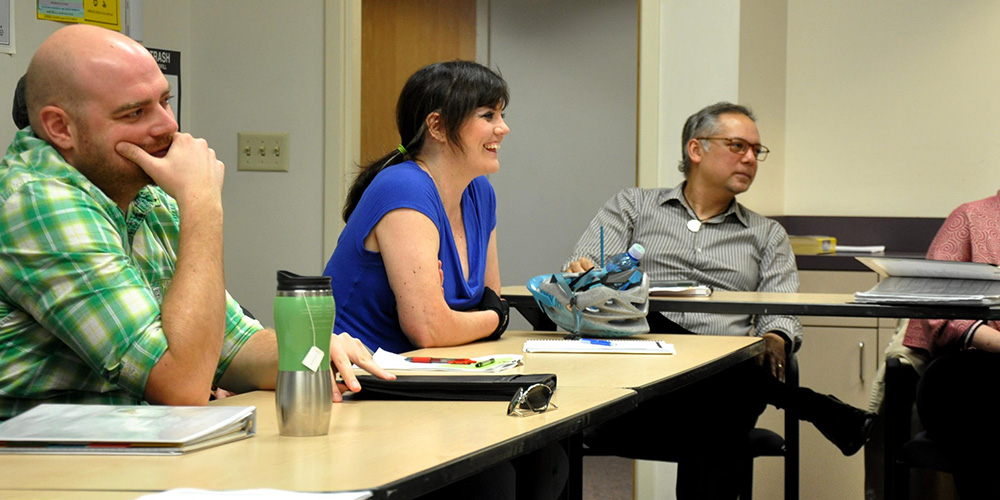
(188, 169)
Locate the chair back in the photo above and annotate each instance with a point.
(904, 450)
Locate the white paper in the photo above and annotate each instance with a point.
(920, 268)
(6, 26)
(943, 291)
(313, 358)
(600, 346)
(259, 494)
(861, 249)
(392, 361)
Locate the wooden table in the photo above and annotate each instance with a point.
(794, 304)
(67, 495)
(402, 448)
(649, 375)
(397, 449)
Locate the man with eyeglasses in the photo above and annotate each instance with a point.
(697, 231)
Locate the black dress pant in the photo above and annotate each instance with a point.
(539, 475)
(704, 427)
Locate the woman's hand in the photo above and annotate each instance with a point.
(346, 351)
(580, 265)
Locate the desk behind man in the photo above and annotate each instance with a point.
(698, 231)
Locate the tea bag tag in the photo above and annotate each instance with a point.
(313, 358)
(694, 225)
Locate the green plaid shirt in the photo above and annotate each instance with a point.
(81, 285)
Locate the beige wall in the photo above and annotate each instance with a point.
(258, 66)
(762, 47)
(882, 109)
(28, 35)
(166, 25)
(871, 108)
(247, 65)
(890, 106)
(697, 54)
(698, 65)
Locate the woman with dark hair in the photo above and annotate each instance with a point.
(416, 265)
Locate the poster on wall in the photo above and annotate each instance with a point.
(170, 64)
(103, 13)
(6, 26)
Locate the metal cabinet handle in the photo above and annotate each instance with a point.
(861, 361)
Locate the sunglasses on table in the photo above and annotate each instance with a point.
(535, 398)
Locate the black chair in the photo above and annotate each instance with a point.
(767, 443)
(19, 108)
(763, 443)
(904, 449)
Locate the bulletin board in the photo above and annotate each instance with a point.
(103, 13)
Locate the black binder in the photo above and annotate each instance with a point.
(450, 387)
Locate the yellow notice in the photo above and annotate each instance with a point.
(103, 13)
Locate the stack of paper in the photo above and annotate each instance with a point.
(918, 281)
(679, 289)
(128, 430)
(600, 346)
(860, 248)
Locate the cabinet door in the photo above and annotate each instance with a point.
(842, 362)
(836, 282)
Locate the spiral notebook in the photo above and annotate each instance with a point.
(600, 345)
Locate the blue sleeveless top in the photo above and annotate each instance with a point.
(366, 306)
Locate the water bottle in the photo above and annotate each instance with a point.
(625, 260)
(303, 318)
(622, 270)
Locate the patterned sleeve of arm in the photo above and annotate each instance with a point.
(64, 264)
(779, 274)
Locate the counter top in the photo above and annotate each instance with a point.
(903, 237)
(846, 261)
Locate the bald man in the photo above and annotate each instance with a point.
(111, 275)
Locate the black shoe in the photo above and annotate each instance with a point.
(844, 425)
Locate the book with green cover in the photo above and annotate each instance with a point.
(128, 430)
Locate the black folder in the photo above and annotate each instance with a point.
(450, 387)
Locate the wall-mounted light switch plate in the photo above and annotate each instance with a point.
(262, 151)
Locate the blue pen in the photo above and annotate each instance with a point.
(596, 342)
(602, 246)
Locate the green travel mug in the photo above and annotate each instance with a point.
(303, 318)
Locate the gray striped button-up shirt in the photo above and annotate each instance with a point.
(737, 250)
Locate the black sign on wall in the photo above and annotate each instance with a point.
(170, 64)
